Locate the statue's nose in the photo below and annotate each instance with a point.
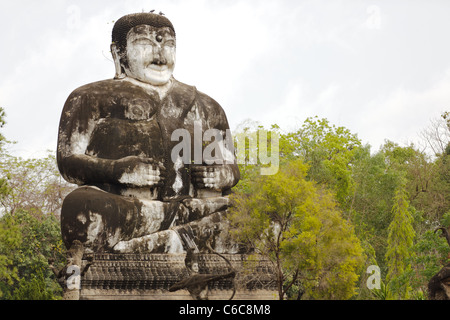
(158, 57)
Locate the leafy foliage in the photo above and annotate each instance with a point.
(32, 239)
(334, 208)
(30, 196)
(10, 241)
(400, 240)
(299, 228)
(431, 252)
(34, 288)
(366, 185)
(329, 151)
(32, 184)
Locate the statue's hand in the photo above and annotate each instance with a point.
(139, 171)
(217, 177)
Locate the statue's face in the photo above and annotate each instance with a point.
(150, 54)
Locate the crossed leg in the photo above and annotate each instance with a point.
(105, 222)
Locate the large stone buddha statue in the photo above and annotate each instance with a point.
(119, 141)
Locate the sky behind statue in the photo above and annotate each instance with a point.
(379, 68)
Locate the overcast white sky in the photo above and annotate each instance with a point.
(379, 68)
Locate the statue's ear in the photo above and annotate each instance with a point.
(120, 74)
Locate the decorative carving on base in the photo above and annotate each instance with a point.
(150, 276)
(198, 284)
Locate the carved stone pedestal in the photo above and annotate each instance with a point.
(149, 276)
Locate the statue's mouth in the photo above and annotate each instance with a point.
(159, 60)
(157, 67)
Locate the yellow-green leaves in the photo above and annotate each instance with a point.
(298, 226)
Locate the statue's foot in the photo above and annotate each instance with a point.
(167, 241)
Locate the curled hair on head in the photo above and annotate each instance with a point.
(128, 22)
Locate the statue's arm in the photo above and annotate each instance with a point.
(79, 118)
(130, 171)
(83, 169)
(217, 176)
(229, 174)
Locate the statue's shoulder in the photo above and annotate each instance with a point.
(101, 97)
(207, 100)
(212, 110)
(108, 88)
(202, 98)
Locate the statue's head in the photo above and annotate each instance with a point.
(143, 48)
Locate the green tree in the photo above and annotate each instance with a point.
(425, 178)
(257, 149)
(365, 184)
(434, 201)
(10, 242)
(432, 196)
(430, 254)
(31, 238)
(329, 151)
(34, 288)
(3, 182)
(377, 178)
(31, 192)
(299, 228)
(400, 241)
(371, 203)
(33, 184)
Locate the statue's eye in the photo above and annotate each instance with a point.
(170, 43)
(143, 41)
(159, 38)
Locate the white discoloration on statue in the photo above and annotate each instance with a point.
(178, 184)
(163, 242)
(141, 189)
(161, 90)
(144, 175)
(96, 227)
(149, 60)
(151, 217)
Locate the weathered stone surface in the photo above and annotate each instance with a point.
(154, 161)
(146, 151)
(149, 276)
